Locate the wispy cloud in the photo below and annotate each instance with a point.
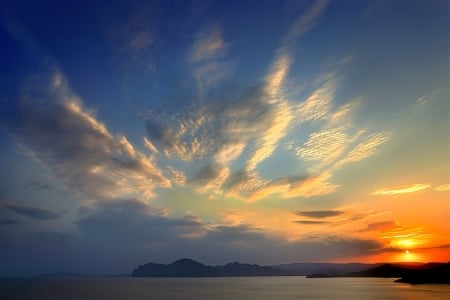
(318, 105)
(294, 186)
(9, 222)
(311, 222)
(208, 45)
(412, 188)
(443, 188)
(304, 23)
(208, 56)
(323, 145)
(210, 177)
(35, 213)
(136, 34)
(313, 186)
(364, 149)
(319, 214)
(92, 161)
(380, 226)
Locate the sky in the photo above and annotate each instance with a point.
(262, 132)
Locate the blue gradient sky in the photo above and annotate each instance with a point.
(259, 131)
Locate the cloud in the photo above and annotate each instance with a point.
(381, 226)
(351, 218)
(320, 214)
(292, 186)
(122, 222)
(35, 213)
(364, 150)
(130, 232)
(318, 105)
(313, 186)
(9, 222)
(136, 224)
(208, 56)
(210, 177)
(443, 188)
(177, 176)
(68, 138)
(136, 35)
(335, 143)
(324, 145)
(208, 45)
(412, 188)
(38, 185)
(250, 121)
(277, 129)
(311, 222)
(304, 23)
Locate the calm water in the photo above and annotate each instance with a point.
(237, 288)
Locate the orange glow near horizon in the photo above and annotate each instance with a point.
(405, 256)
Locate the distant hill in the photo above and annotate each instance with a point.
(331, 269)
(408, 273)
(190, 268)
(433, 274)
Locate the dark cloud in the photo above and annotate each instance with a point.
(9, 222)
(135, 223)
(206, 173)
(32, 212)
(311, 222)
(116, 236)
(39, 185)
(319, 214)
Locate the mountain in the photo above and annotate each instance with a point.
(186, 267)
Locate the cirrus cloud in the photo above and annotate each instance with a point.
(412, 188)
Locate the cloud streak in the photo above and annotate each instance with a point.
(413, 188)
(31, 212)
(320, 214)
(443, 188)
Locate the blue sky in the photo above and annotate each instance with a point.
(259, 131)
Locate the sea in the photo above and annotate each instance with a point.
(223, 288)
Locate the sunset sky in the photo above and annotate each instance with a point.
(255, 131)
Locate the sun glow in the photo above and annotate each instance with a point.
(404, 243)
(409, 256)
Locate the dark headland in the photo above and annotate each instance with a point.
(408, 273)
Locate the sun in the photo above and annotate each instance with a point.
(409, 256)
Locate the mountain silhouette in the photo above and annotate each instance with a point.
(186, 267)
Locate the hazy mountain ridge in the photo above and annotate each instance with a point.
(190, 268)
(407, 272)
